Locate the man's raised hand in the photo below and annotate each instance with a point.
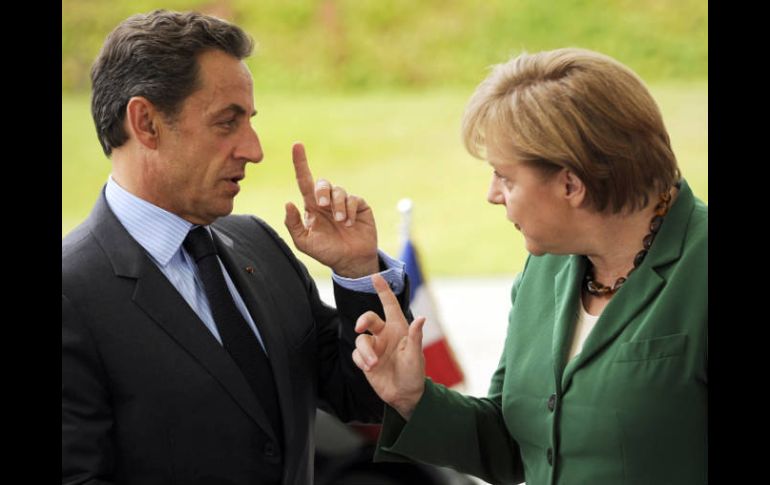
(338, 230)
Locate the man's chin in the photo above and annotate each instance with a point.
(215, 214)
(222, 214)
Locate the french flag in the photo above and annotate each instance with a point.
(440, 363)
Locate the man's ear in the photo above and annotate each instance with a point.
(574, 188)
(142, 121)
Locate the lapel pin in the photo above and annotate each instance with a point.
(249, 269)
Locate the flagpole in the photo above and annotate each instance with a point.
(405, 208)
(440, 362)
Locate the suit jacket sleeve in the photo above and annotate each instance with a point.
(462, 432)
(87, 447)
(343, 388)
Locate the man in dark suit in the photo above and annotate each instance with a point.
(155, 387)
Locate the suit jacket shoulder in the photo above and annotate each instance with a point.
(255, 231)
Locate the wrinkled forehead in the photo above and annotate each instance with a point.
(223, 80)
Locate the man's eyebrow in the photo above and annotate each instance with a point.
(236, 109)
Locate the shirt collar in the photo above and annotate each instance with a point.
(158, 231)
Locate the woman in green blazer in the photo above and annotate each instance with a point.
(603, 377)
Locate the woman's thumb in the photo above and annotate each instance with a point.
(415, 332)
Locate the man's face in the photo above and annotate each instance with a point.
(204, 152)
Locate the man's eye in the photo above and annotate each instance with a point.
(228, 123)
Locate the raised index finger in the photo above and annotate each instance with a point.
(389, 301)
(302, 172)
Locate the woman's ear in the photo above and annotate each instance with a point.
(141, 121)
(574, 188)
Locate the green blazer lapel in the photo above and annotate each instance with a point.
(633, 297)
(642, 286)
(566, 292)
(257, 295)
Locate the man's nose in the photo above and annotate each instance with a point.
(249, 148)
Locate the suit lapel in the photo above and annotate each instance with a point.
(155, 295)
(256, 292)
(566, 285)
(635, 295)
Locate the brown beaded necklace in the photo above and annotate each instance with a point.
(595, 288)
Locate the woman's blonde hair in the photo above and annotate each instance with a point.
(576, 109)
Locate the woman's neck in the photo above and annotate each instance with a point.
(617, 240)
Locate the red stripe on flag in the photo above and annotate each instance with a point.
(440, 364)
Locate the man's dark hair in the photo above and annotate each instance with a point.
(155, 55)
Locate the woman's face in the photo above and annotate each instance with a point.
(534, 204)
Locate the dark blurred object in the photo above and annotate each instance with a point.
(344, 457)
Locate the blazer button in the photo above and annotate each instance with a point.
(552, 402)
(549, 456)
(270, 450)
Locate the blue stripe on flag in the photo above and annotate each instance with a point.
(412, 268)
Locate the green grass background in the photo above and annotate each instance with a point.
(376, 91)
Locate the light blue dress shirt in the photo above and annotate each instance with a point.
(162, 233)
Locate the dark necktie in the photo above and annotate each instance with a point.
(237, 337)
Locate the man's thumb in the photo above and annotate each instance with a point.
(293, 221)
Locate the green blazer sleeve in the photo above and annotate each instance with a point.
(462, 432)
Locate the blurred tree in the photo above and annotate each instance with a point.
(397, 44)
